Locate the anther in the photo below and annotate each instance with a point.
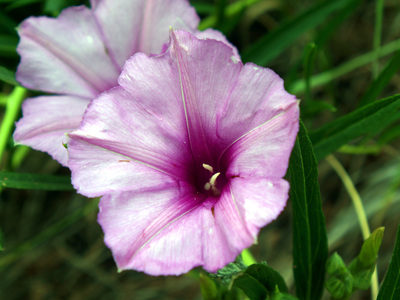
(208, 168)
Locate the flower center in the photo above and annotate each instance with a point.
(211, 185)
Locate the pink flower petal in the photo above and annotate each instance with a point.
(114, 156)
(216, 35)
(45, 122)
(204, 90)
(169, 231)
(259, 200)
(65, 55)
(131, 26)
(267, 146)
(258, 96)
(135, 224)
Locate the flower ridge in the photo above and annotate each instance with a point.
(188, 153)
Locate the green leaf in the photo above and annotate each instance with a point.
(7, 76)
(274, 43)
(261, 277)
(382, 81)
(340, 286)
(310, 249)
(35, 182)
(229, 271)
(362, 275)
(259, 280)
(340, 281)
(390, 289)
(209, 290)
(368, 119)
(251, 287)
(335, 265)
(370, 248)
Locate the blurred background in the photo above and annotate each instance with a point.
(53, 246)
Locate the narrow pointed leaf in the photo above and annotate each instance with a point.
(390, 289)
(382, 81)
(365, 120)
(7, 76)
(272, 44)
(370, 247)
(35, 182)
(363, 266)
(310, 249)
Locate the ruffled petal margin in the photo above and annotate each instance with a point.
(45, 122)
(131, 26)
(170, 231)
(65, 55)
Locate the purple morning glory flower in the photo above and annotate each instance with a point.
(188, 153)
(81, 53)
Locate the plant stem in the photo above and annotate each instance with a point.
(248, 258)
(12, 109)
(360, 211)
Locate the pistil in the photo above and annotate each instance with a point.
(211, 184)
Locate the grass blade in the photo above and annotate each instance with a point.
(382, 81)
(310, 245)
(272, 44)
(35, 181)
(368, 119)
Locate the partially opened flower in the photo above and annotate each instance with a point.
(189, 154)
(80, 54)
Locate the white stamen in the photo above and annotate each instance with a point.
(210, 185)
(208, 168)
(214, 178)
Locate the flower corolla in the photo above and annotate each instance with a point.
(188, 154)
